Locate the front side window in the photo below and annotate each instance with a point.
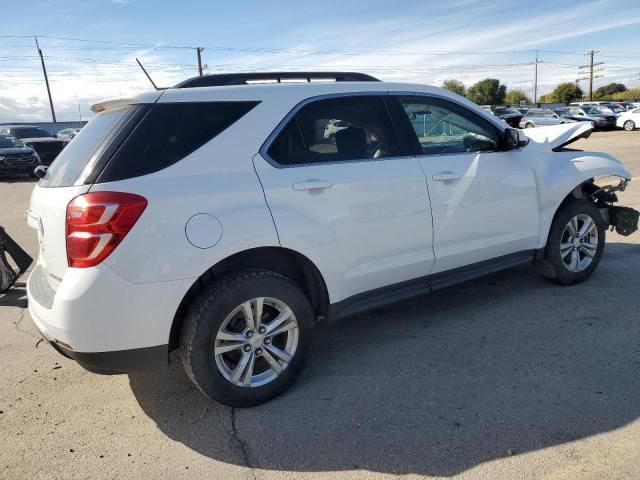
(444, 127)
(337, 129)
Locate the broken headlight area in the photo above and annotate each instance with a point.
(624, 220)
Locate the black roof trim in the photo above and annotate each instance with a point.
(222, 79)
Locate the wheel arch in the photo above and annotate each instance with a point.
(289, 263)
(566, 179)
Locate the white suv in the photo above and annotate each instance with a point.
(216, 218)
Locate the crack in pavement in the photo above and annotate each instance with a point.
(244, 448)
(16, 324)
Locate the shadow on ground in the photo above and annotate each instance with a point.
(16, 296)
(438, 385)
(16, 178)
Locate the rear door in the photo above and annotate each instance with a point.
(484, 200)
(350, 198)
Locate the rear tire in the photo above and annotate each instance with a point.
(224, 347)
(575, 244)
(629, 125)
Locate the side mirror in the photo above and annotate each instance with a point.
(514, 138)
(40, 171)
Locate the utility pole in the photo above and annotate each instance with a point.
(46, 80)
(199, 50)
(535, 82)
(79, 112)
(591, 71)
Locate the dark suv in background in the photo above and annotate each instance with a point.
(16, 157)
(47, 146)
(600, 119)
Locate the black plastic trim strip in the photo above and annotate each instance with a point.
(225, 79)
(397, 292)
(121, 361)
(115, 139)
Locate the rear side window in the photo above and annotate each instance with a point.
(66, 168)
(339, 129)
(168, 133)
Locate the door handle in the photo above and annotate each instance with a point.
(445, 176)
(312, 185)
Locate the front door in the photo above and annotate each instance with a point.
(483, 199)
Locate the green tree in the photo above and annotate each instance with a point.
(630, 94)
(610, 89)
(515, 96)
(455, 86)
(564, 93)
(487, 92)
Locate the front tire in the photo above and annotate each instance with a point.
(575, 244)
(247, 337)
(629, 125)
(528, 125)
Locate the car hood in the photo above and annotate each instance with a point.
(554, 137)
(16, 151)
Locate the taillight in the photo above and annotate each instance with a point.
(97, 222)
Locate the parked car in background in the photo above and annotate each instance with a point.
(605, 119)
(599, 122)
(47, 146)
(220, 222)
(511, 115)
(629, 120)
(16, 157)
(333, 127)
(67, 134)
(540, 117)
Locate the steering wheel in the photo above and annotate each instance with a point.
(378, 147)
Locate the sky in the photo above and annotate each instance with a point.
(90, 46)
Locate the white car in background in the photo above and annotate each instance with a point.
(216, 219)
(629, 120)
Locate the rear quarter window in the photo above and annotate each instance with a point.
(168, 133)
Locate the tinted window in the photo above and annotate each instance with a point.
(29, 132)
(337, 129)
(444, 127)
(68, 165)
(289, 147)
(168, 133)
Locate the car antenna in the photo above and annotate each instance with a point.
(148, 76)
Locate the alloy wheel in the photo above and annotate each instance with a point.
(629, 125)
(579, 243)
(256, 342)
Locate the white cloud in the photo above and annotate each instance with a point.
(391, 48)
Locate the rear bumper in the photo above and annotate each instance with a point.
(121, 361)
(103, 322)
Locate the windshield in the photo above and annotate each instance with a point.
(10, 142)
(29, 132)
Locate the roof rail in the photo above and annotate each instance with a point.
(222, 79)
